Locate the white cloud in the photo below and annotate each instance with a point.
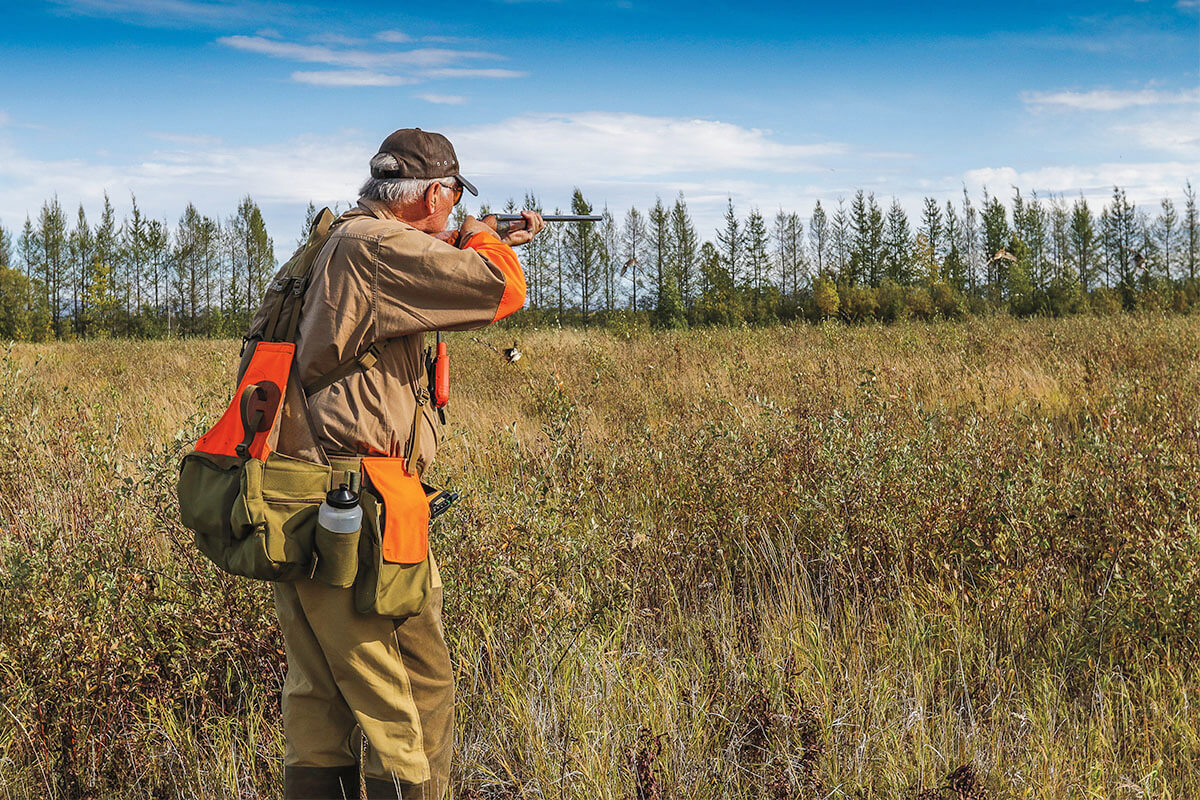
(443, 99)
(350, 78)
(168, 13)
(357, 58)
(186, 139)
(395, 37)
(1174, 135)
(336, 38)
(1110, 99)
(1145, 182)
(473, 73)
(616, 146)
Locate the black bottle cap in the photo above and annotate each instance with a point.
(342, 497)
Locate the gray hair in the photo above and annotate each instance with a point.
(397, 191)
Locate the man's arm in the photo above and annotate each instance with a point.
(423, 284)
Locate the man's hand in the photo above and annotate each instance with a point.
(472, 226)
(515, 234)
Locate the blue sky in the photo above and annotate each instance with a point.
(773, 104)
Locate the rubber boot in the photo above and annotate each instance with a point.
(386, 789)
(321, 783)
(378, 789)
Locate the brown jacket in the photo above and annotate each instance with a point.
(378, 280)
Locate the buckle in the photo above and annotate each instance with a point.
(368, 359)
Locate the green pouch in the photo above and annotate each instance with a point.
(389, 590)
(337, 557)
(208, 487)
(256, 518)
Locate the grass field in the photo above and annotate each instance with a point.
(798, 562)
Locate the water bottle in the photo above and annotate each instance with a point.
(339, 520)
(340, 513)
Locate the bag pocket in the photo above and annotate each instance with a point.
(208, 488)
(337, 557)
(274, 518)
(393, 525)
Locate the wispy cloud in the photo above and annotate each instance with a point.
(4, 119)
(186, 139)
(395, 37)
(603, 146)
(443, 99)
(473, 73)
(1171, 134)
(348, 57)
(356, 77)
(336, 39)
(1146, 181)
(1110, 99)
(174, 13)
(371, 67)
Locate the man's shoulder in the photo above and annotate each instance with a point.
(359, 225)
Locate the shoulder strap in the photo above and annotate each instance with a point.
(360, 363)
(295, 280)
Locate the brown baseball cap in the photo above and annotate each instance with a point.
(421, 154)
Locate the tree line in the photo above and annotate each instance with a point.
(64, 277)
(858, 260)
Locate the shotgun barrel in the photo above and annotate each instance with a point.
(551, 217)
(506, 223)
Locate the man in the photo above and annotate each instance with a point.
(388, 274)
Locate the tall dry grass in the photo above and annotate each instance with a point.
(921, 560)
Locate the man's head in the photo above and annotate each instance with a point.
(416, 174)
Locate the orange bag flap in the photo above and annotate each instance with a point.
(405, 520)
(271, 362)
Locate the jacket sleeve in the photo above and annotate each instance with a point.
(423, 284)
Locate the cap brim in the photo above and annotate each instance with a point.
(470, 187)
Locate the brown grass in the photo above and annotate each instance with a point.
(955, 560)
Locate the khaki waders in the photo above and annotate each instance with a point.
(353, 675)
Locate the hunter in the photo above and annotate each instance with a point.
(389, 273)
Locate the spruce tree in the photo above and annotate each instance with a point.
(633, 238)
(758, 264)
(818, 238)
(101, 297)
(1082, 243)
(839, 242)
(79, 244)
(685, 245)
(52, 260)
(1191, 231)
(1166, 231)
(898, 246)
(732, 243)
(931, 229)
(660, 246)
(585, 251)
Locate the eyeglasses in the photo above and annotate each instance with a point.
(457, 188)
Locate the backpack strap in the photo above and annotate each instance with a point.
(360, 363)
(296, 278)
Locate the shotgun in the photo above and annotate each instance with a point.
(515, 222)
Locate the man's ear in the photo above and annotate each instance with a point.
(432, 199)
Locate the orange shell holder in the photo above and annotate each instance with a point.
(405, 518)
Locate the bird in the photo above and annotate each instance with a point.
(512, 353)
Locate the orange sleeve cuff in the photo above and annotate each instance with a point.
(506, 261)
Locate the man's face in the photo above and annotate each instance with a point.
(432, 213)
